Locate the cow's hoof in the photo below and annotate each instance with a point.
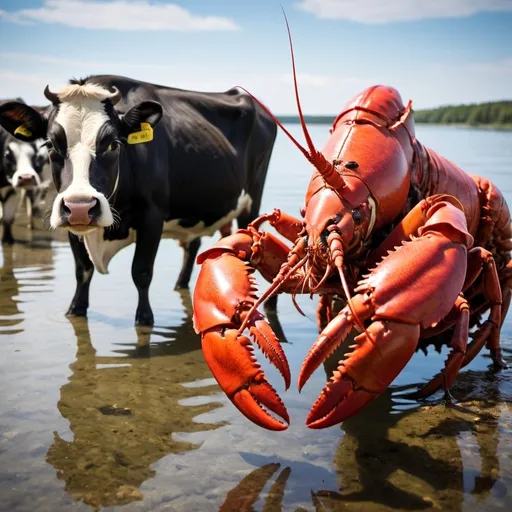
(144, 318)
(76, 311)
(8, 241)
(180, 286)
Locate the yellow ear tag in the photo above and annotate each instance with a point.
(145, 134)
(23, 131)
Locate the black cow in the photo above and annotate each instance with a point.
(21, 168)
(205, 165)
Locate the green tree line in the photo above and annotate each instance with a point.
(492, 113)
(496, 113)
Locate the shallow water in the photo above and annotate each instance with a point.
(97, 414)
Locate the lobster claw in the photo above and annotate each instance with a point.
(377, 357)
(223, 297)
(229, 356)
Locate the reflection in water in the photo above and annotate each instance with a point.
(247, 492)
(30, 261)
(397, 455)
(123, 412)
(400, 456)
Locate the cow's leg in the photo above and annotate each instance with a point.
(28, 200)
(226, 230)
(33, 208)
(149, 232)
(190, 250)
(84, 270)
(9, 207)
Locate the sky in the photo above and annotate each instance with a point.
(435, 52)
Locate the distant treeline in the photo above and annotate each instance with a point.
(496, 114)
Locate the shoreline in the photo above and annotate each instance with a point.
(330, 119)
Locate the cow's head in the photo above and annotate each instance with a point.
(23, 163)
(85, 135)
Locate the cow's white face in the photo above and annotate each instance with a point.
(23, 163)
(84, 135)
(77, 149)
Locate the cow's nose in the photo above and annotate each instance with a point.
(79, 211)
(25, 180)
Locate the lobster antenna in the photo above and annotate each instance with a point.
(312, 150)
(303, 150)
(278, 281)
(336, 247)
(324, 167)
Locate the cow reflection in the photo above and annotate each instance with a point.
(396, 459)
(17, 258)
(123, 412)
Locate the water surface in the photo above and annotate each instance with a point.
(98, 414)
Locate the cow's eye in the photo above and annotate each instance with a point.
(40, 160)
(112, 146)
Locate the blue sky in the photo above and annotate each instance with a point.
(435, 52)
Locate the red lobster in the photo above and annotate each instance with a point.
(413, 245)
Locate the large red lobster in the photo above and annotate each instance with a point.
(413, 245)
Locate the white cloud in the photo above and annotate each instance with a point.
(388, 11)
(58, 61)
(130, 15)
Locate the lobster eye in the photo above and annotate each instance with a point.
(303, 211)
(357, 216)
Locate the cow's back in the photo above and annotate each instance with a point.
(206, 149)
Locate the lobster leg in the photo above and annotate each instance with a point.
(414, 287)
(458, 345)
(490, 330)
(506, 290)
(480, 261)
(285, 224)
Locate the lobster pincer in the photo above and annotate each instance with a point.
(414, 287)
(225, 303)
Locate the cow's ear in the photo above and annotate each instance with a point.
(23, 121)
(145, 112)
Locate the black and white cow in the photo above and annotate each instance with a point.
(205, 166)
(21, 169)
